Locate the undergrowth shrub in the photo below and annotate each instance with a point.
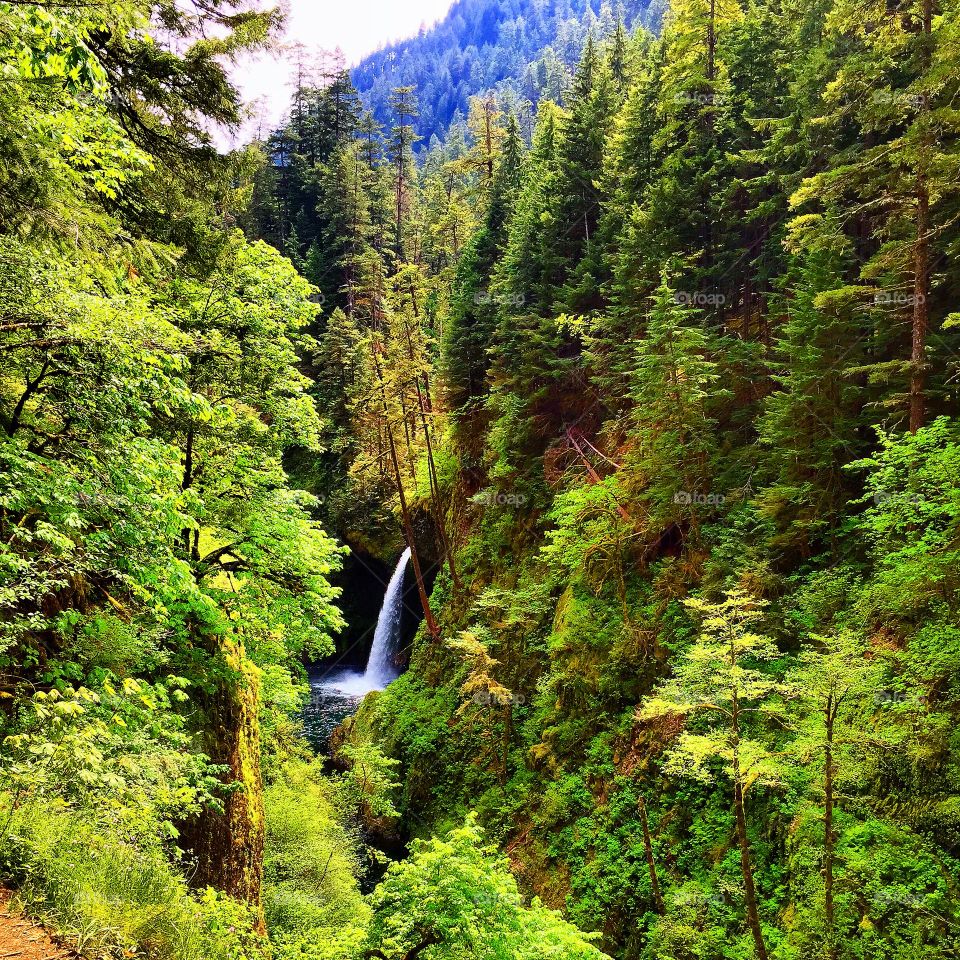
(311, 898)
(112, 897)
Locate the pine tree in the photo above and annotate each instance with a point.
(888, 193)
(531, 357)
(473, 312)
(673, 425)
(402, 139)
(345, 226)
(630, 166)
(575, 223)
(813, 422)
(837, 685)
(682, 206)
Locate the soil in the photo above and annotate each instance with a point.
(22, 939)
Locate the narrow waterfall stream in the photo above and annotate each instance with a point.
(337, 693)
(380, 667)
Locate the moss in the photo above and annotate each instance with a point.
(228, 844)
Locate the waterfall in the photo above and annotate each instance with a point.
(380, 669)
(351, 684)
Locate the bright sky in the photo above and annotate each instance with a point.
(357, 27)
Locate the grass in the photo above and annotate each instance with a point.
(111, 895)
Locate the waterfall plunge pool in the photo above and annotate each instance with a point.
(336, 693)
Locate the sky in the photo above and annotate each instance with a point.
(357, 27)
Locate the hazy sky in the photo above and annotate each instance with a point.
(357, 27)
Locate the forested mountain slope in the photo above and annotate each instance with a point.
(524, 49)
(668, 403)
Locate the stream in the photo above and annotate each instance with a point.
(335, 694)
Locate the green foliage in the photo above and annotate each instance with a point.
(150, 541)
(312, 905)
(724, 676)
(111, 894)
(675, 386)
(122, 751)
(668, 334)
(455, 898)
(911, 524)
(370, 782)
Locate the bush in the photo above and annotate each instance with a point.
(312, 902)
(111, 896)
(456, 899)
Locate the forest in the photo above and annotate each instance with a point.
(651, 370)
(520, 49)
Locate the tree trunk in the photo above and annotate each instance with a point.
(187, 481)
(404, 511)
(651, 863)
(746, 865)
(507, 737)
(921, 309)
(488, 110)
(13, 424)
(712, 44)
(228, 847)
(426, 406)
(828, 837)
(750, 893)
(411, 542)
(435, 485)
(921, 259)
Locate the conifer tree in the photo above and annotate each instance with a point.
(812, 422)
(473, 312)
(402, 139)
(575, 221)
(530, 355)
(724, 678)
(888, 192)
(838, 684)
(675, 390)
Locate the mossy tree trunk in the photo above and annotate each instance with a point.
(227, 846)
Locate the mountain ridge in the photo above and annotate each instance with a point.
(523, 49)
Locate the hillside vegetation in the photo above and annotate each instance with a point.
(524, 50)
